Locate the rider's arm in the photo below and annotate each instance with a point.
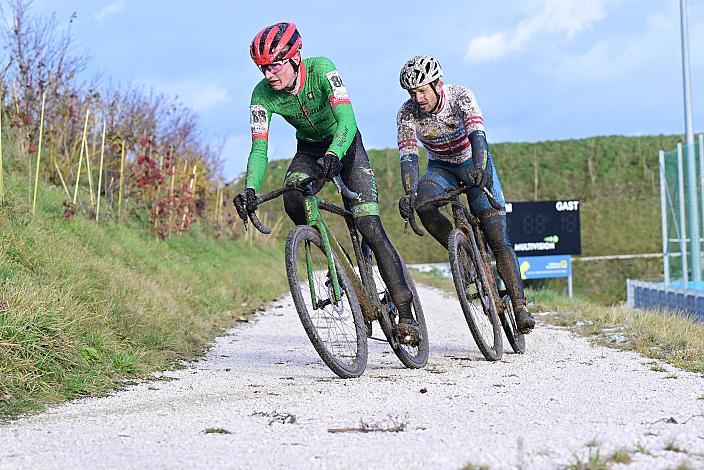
(341, 108)
(259, 118)
(407, 149)
(474, 124)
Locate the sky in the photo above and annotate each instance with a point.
(540, 69)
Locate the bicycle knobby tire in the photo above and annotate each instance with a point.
(317, 322)
(464, 273)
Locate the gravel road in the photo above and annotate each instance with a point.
(274, 403)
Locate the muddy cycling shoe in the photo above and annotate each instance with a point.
(407, 331)
(524, 320)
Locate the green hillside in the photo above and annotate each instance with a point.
(615, 178)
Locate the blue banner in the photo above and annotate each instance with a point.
(541, 267)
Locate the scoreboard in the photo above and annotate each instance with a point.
(544, 228)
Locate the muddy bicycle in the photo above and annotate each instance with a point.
(485, 303)
(335, 303)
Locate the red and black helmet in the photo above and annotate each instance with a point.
(275, 43)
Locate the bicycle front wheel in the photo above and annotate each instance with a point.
(476, 294)
(336, 328)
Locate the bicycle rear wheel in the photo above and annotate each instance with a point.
(476, 294)
(411, 356)
(516, 339)
(336, 329)
(507, 315)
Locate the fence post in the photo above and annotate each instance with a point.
(2, 181)
(701, 171)
(683, 218)
(80, 158)
(39, 155)
(663, 216)
(122, 171)
(100, 173)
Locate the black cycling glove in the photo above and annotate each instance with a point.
(330, 166)
(482, 174)
(245, 202)
(406, 205)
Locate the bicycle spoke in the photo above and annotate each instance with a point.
(334, 322)
(477, 299)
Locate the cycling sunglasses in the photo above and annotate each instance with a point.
(273, 67)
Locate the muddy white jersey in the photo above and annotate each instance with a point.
(443, 134)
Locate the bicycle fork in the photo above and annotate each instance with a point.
(313, 219)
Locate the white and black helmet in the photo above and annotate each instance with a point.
(419, 71)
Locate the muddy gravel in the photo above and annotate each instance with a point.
(262, 398)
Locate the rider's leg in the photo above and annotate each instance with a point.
(302, 166)
(388, 260)
(434, 184)
(358, 175)
(493, 225)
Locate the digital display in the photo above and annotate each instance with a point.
(544, 227)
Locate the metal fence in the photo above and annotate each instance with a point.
(682, 203)
(655, 295)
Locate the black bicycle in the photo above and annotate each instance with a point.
(335, 304)
(485, 303)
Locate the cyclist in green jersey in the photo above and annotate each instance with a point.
(310, 95)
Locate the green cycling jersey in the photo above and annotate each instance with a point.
(319, 108)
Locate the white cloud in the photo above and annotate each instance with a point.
(623, 56)
(554, 18)
(109, 10)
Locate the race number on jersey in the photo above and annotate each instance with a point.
(339, 92)
(259, 121)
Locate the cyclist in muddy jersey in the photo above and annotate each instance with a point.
(449, 123)
(310, 95)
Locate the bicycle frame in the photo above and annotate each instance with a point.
(312, 207)
(465, 220)
(373, 307)
(315, 219)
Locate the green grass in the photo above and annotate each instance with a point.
(621, 456)
(593, 461)
(84, 307)
(663, 335)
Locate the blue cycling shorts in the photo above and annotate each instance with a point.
(442, 175)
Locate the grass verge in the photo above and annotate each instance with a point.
(664, 335)
(84, 307)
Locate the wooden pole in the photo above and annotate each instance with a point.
(39, 155)
(2, 181)
(158, 194)
(61, 177)
(100, 174)
(90, 176)
(217, 205)
(191, 185)
(122, 171)
(171, 196)
(80, 158)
